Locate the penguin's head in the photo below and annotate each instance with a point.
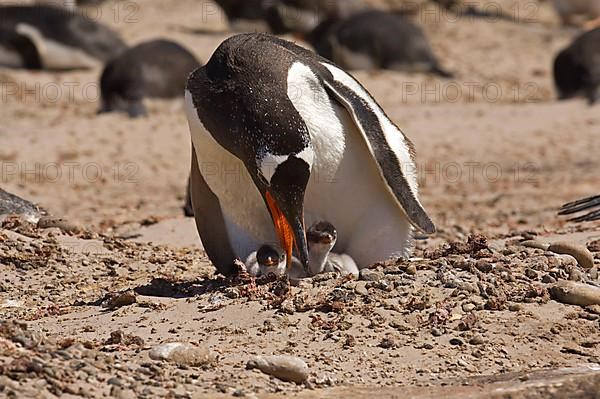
(122, 91)
(271, 259)
(321, 234)
(283, 181)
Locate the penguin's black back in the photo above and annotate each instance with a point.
(156, 68)
(65, 27)
(388, 39)
(577, 68)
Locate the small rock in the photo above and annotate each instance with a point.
(476, 339)
(468, 307)
(412, 270)
(388, 343)
(286, 368)
(436, 332)
(361, 288)
(114, 381)
(548, 279)
(371, 275)
(183, 354)
(532, 274)
(456, 341)
(121, 299)
(583, 255)
(535, 244)
(232, 292)
(574, 293)
(515, 307)
(576, 275)
(47, 222)
(484, 266)
(594, 273)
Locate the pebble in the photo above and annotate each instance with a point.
(594, 273)
(476, 339)
(484, 266)
(456, 341)
(412, 270)
(122, 299)
(515, 307)
(286, 368)
(47, 222)
(468, 307)
(535, 244)
(114, 381)
(371, 275)
(548, 279)
(576, 275)
(361, 288)
(574, 293)
(583, 255)
(436, 332)
(183, 354)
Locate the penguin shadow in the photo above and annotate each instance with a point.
(163, 288)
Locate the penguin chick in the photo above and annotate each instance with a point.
(268, 259)
(321, 238)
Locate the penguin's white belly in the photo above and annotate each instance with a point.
(246, 216)
(370, 225)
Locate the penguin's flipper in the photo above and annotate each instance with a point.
(391, 149)
(582, 205)
(210, 222)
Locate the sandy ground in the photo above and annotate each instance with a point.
(497, 156)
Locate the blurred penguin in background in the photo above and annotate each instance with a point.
(302, 16)
(156, 68)
(375, 39)
(577, 68)
(63, 39)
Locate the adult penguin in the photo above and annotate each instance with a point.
(577, 68)
(376, 39)
(63, 39)
(282, 137)
(155, 68)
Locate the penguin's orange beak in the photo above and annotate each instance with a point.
(284, 231)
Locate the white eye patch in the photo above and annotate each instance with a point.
(268, 164)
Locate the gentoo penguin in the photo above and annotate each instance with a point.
(282, 137)
(577, 68)
(63, 39)
(18, 51)
(590, 204)
(321, 238)
(375, 40)
(156, 68)
(11, 204)
(569, 9)
(302, 16)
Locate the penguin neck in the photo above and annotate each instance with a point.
(317, 257)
